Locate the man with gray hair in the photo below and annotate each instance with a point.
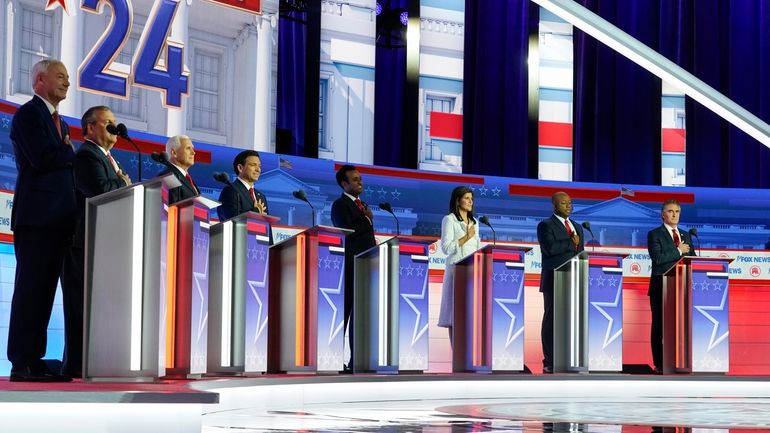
(181, 156)
(43, 222)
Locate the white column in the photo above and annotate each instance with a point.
(71, 41)
(263, 82)
(246, 94)
(176, 118)
(601, 236)
(634, 237)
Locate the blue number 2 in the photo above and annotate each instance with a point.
(170, 77)
(96, 71)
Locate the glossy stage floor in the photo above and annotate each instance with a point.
(404, 403)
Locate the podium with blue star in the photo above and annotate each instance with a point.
(489, 310)
(307, 292)
(605, 312)
(695, 316)
(238, 295)
(391, 306)
(188, 286)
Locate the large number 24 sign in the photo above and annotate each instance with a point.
(167, 74)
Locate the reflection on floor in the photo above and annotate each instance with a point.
(439, 406)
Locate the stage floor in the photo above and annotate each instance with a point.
(402, 403)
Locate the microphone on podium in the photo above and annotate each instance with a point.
(485, 220)
(389, 209)
(587, 225)
(222, 177)
(121, 131)
(694, 233)
(301, 195)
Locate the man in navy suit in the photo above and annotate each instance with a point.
(240, 196)
(43, 221)
(349, 212)
(666, 245)
(181, 154)
(96, 172)
(560, 239)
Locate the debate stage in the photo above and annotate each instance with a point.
(392, 403)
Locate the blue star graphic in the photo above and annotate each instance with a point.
(417, 331)
(483, 190)
(396, 194)
(200, 279)
(382, 192)
(496, 191)
(261, 322)
(714, 340)
(609, 336)
(334, 327)
(513, 333)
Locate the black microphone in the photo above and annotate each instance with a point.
(587, 225)
(222, 177)
(389, 209)
(301, 195)
(485, 220)
(161, 158)
(121, 131)
(694, 233)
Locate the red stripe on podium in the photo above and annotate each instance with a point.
(252, 227)
(508, 257)
(329, 240)
(412, 249)
(599, 261)
(201, 213)
(716, 267)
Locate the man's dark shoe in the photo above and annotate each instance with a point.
(27, 374)
(547, 370)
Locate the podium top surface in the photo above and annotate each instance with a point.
(507, 247)
(318, 229)
(254, 216)
(167, 180)
(409, 238)
(718, 264)
(198, 199)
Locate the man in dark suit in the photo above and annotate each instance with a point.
(42, 220)
(560, 239)
(181, 156)
(666, 245)
(349, 212)
(240, 196)
(96, 172)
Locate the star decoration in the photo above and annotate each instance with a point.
(261, 322)
(703, 309)
(396, 194)
(496, 192)
(417, 331)
(513, 333)
(483, 190)
(609, 336)
(334, 326)
(52, 4)
(382, 192)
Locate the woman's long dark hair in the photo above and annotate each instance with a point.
(457, 194)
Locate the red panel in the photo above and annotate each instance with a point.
(201, 213)
(244, 5)
(716, 267)
(446, 125)
(412, 249)
(422, 175)
(329, 240)
(253, 227)
(555, 134)
(598, 261)
(6, 238)
(508, 257)
(673, 140)
(598, 193)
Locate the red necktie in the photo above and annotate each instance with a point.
(253, 195)
(360, 204)
(676, 237)
(569, 229)
(57, 122)
(112, 162)
(189, 179)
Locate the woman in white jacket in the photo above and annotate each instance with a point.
(459, 238)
